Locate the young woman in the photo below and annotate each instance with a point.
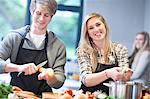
(100, 60)
(140, 59)
(30, 45)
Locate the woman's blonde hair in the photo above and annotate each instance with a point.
(86, 42)
(51, 5)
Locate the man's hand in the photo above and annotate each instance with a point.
(46, 74)
(28, 69)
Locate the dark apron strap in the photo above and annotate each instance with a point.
(31, 82)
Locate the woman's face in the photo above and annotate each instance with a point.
(96, 29)
(41, 17)
(139, 41)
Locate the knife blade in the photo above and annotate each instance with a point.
(42, 64)
(38, 66)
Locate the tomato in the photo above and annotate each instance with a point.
(69, 91)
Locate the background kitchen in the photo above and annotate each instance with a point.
(124, 17)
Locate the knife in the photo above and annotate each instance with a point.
(42, 64)
(38, 66)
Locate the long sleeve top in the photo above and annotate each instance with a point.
(141, 68)
(56, 52)
(119, 55)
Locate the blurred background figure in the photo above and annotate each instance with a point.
(139, 60)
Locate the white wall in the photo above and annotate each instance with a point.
(124, 17)
(147, 16)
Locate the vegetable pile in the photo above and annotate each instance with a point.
(5, 89)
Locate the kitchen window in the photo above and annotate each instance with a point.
(12, 15)
(66, 23)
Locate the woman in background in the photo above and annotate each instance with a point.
(100, 60)
(140, 59)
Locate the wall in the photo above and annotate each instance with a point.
(124, 17)
(147, 16)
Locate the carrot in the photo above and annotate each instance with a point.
(15, 88)
(41, 69)
(50, 72)
(26, 94)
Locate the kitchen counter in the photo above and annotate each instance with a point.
(69, 84)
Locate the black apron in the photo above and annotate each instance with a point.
(30, 82)
(103, 88)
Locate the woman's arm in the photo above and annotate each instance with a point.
(122, 58)
(141, 65)
(96, 78)
(92, 79)
(122, 55)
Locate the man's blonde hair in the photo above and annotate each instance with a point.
(51, 5)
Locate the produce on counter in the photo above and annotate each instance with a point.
(15, 88)
(108, 97)
(50, 95)
(14, 91)
(5, 89)
(66, 96)
(100, 95)
(80, 96)
(70, 92)
(26, 94)
(23, 94)
(90, 95)
(146, 96)
(73, 94)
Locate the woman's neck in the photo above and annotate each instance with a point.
(99, 44)
(101, 47)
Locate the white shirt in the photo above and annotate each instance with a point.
(37, 39)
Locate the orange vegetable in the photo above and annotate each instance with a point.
(41, 69)
(50, 73)
(66, 96)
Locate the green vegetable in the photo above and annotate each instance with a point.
(109, 97)
(5, 89)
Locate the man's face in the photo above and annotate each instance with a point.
(41, 17)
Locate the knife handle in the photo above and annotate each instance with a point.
(19, 74)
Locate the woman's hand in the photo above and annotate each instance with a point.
(28, 69)
(127, 74)
(115, 73)
(119, 74)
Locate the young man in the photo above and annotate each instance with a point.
(30, 45)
